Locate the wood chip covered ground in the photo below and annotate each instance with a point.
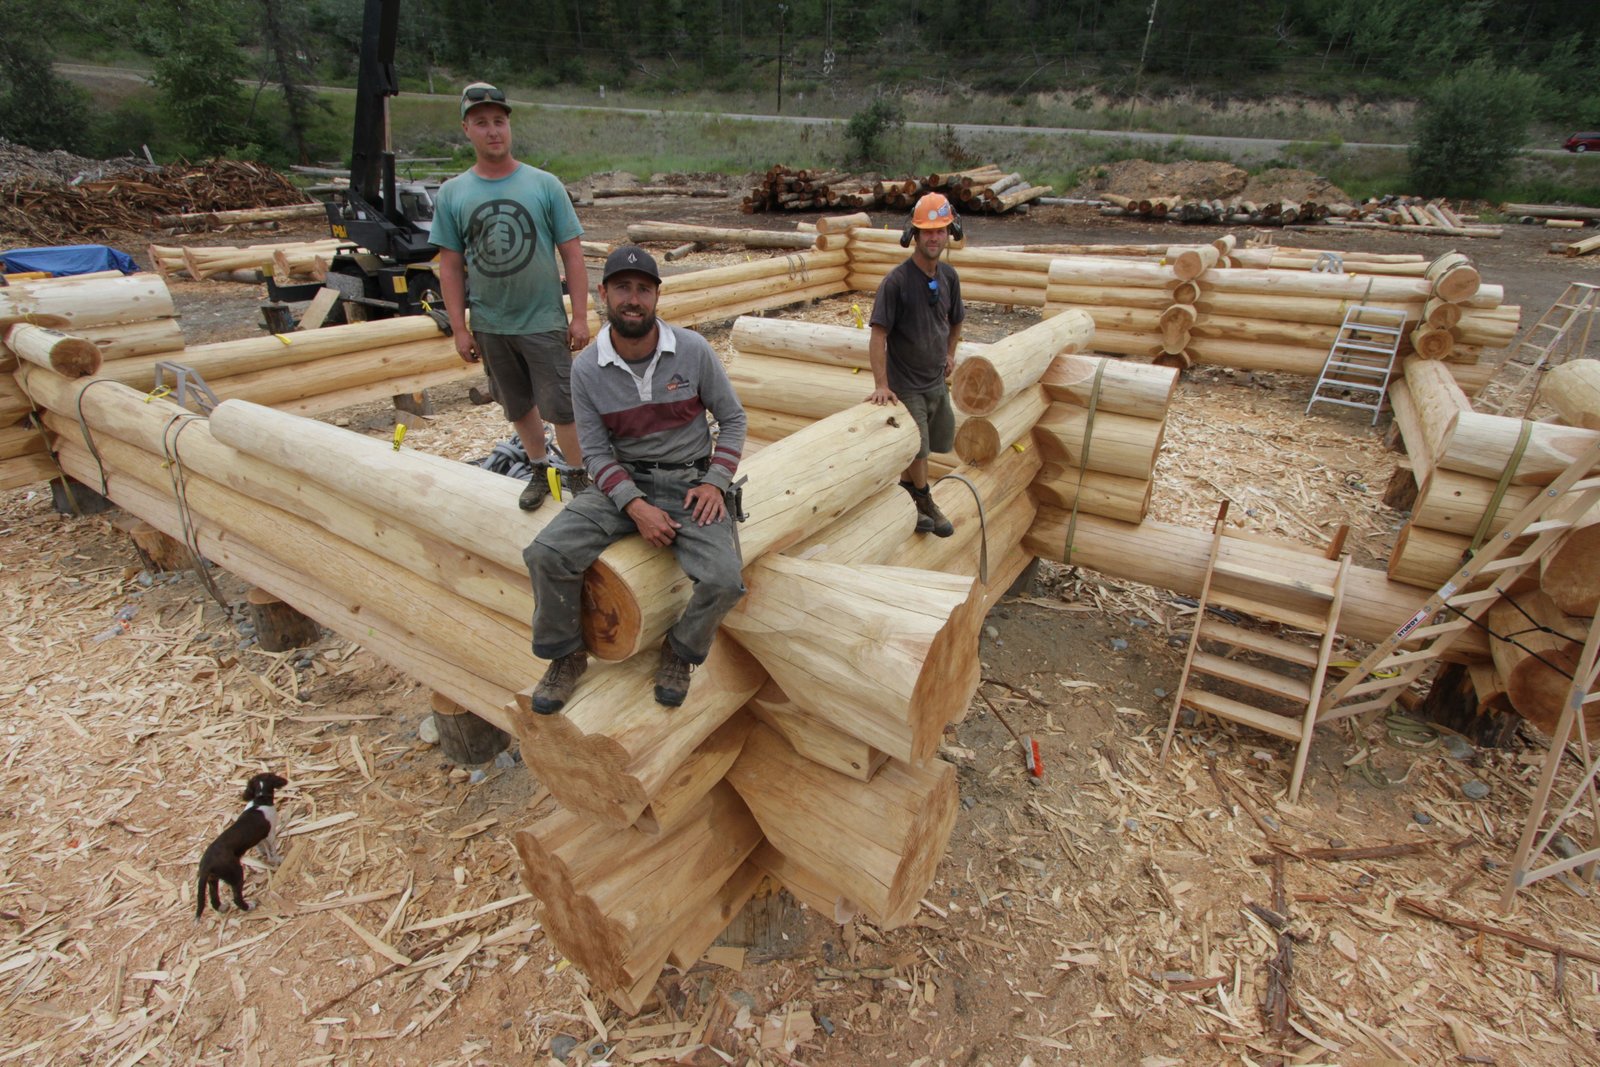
(1111, 912)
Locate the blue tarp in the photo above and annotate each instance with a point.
(68, 259)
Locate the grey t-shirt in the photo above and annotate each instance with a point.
(918, 311)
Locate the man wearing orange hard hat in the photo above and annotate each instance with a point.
(916, 325)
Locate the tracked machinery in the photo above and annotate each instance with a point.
(387, 268)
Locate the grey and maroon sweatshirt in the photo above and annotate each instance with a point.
(655, 411)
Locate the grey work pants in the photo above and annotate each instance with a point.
(589, 523)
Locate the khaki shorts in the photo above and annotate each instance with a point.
(528, 370)
(935, 418)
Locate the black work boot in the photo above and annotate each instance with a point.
(938, 524)
(672, 676)
(560, 679)
(537, 489)
(924, 522)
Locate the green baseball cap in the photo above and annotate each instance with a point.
(482, 93)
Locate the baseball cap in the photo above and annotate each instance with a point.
(630, 257)
(481, 93)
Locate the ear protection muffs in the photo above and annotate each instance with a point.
(910, 231)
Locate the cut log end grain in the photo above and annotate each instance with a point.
(1538, 688)
(578, 763)
(612, 621)
(976, 387)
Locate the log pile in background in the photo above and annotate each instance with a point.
(984, 190)
(49, 213)
(288, 260)
(1407, 214)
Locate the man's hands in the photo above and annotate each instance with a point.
(883, 395)
(465, 347)
(578, 334)
(949, 364)
(705, 502)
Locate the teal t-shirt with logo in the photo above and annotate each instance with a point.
(508, 229)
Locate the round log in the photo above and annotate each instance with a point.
(1453, 277)
(1537, 690)
(1494, 328)
(1189, 262)
(1109, 271)
(812, 738)
(1094, 493)
(464, 738)
(1429, 342)
(1010, 365)
(884, 863)
(160, 553)
(132, 339)
(796, 268)
(1454, 502)
(68, 356)
(67, 303)
(1441, 314)
(1120, 444)
(1125, 388)
(677, 233)
(1573, 389)
(1570, 576)
(1484, 444)
(1091, 297)
(843, 223)
(279, 626)
(981, 437)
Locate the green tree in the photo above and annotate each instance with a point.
(1469, 129)
(198, 72)
(38, 108)
(289, 66)
(868, 127)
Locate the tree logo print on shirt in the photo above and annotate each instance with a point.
(502, 237)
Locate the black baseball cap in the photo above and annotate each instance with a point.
(630, 257)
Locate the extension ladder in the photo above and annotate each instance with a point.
(1553, 340)
(1361, 359)
(1269, 582)
(1391, 667)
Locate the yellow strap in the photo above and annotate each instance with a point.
(1083, 460)
(1482, 532)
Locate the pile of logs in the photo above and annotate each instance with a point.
(72, 325)
(287, 261)
(1412, 215)
(1463, 463)
(1399, 213)
(985, 190)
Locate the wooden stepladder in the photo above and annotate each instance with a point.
(1562, 333)
(1402, 657)
(1270, 582)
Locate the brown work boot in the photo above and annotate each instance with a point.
(937, 523)
(672, 676)
(537, 489)
(560, 679)
(924, 523)
(577, 480)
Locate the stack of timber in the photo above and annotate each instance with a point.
(986, 190)
(1409, 214)
(291, 260)
(782, 189)
(1267, 319)
(795, 756)
(1101, 465)
(1473, 473)
(983, 190)
(1463, 462)
(1008, 278)
(74, 324)
(1231, 212)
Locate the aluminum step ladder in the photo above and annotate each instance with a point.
(1562, 333)
(1467, 596)
(1361, 360)
(1276, 690)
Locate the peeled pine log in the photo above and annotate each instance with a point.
(1483, 445)
(1408, 424)
(21, 440)
(812, 737)
(204, 219)
(1297, 309)
(1454, 502)
(808, 622)
(1570, 576)
(67, 303)
(1453, 277)
(1176, 323)
(814, 816)
(633, 594)
(68, 356)
(27, 469)
(131, 339)
(297, 256)
(313, 381)
(726, 301)
(615, 902)
(1094, 493)
(1573, 389)
(796, 388)
(843, 223)
(1093, 296)
(677, 233)
(1189, 262)
(1440, 314)
(1426, 558)
(715, 915)
(766, 427)
(613, 749)
(1135, 389)
(1490, 327)
(979, 439)
(813, 342)
(1583, 247)
(1536, 690)
(795, 268)
(1438, 400)
(1109, 271)
(699, 772)
(1120, 444)
(983, 382)
(1430, 342)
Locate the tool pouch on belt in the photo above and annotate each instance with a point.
(733, 498)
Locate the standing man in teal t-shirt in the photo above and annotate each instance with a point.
(502, 224)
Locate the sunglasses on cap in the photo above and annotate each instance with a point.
(480, 93)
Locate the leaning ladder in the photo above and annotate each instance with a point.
(1361, 359)
(1389, 669)
(1553, 340)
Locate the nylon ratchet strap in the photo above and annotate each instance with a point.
(1481, 534)
(1083, 461)
(983, 525)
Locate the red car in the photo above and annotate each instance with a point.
(1583, 142)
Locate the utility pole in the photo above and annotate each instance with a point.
(1148, 27)
(782, 8)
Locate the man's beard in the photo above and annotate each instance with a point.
(633, 330)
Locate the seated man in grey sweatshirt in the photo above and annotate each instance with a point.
(640, 394)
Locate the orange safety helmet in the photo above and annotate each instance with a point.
(933, 212)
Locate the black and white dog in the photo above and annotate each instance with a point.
(222, 858)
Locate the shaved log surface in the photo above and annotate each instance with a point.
(1573, 389)
(983, 382)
